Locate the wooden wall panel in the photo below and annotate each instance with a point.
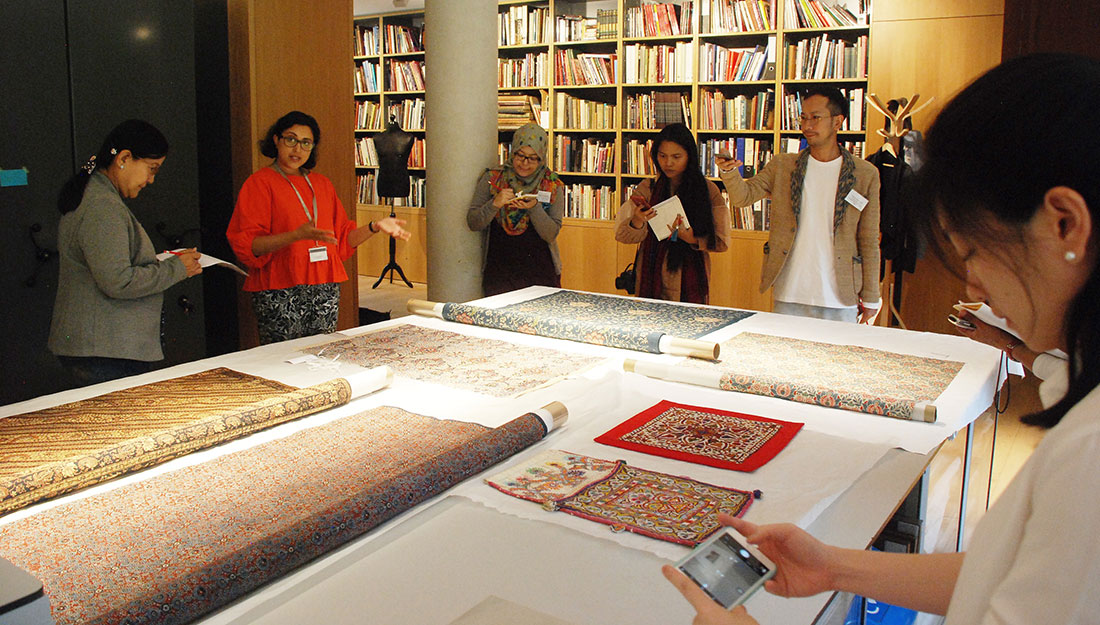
(411, 255)
(735, 274)
(285, 56)
(1043, 26)
(589, 256)
(935, 51)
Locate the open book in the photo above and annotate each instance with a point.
(205, 260)
(667, 212)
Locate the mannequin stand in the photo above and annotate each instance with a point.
(392, 266)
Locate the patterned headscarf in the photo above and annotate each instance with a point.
(533, 136)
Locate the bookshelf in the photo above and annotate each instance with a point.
(605, 75)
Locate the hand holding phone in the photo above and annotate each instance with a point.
(641, 202)
(727, 567)
(959, 322)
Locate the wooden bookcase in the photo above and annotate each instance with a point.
(591, 257)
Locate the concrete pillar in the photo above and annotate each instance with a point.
(461, 137)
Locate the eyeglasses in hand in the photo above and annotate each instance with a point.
(290, 141)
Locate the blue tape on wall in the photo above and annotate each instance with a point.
(13, 177)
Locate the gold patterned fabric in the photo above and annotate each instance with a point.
(61, 449)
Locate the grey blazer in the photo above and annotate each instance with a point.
(110, 287)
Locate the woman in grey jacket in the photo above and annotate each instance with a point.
(106, 318)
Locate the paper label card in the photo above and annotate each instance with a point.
(856, 200)
(318, 254)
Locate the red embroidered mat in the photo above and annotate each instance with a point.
(717, 438)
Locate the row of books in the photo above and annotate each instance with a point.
(409, 113)
(367, 191)
(656, 109)
(797, 144)
(792, 109)
(533, 70)
(755, 216)
(575, 28)
(368, 115)
(636, 159)
(366, 77)
(402, 39)
(405, 76)
(367, 156)
(584, 201)
(736, 16)
(571, 68)
(754, 153)
(523, 25)
(366, 39)
(586, 156)
(644, 64)
(573, 112)
(741, 112)
(721, 64)
(515, 110)
(820, 14)
(664, 19)
(819, 58)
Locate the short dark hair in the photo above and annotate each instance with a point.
(991, 156)
(141, 138)
(293, 118)
(838, 103)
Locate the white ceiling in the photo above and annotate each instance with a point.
(371, 7)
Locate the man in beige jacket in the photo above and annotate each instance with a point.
(822, 256)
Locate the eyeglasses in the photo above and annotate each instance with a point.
(289, 141)
(536, 159)
(810, 120)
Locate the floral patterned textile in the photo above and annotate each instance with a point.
(623, 322)
(456, 360)
(666, 507)
(68, 447)
(727, 440)
(172, 548)
(849, 377)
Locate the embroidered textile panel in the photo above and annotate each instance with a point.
(666, 507)
(849, 377)
(488, 366)
(717, 438)
(65, 448)
(627, 323)
(174, 547)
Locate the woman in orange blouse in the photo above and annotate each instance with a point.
(290, 229)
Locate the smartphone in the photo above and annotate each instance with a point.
(961, 323)
(725, 155)
(641, 201)
(727, 568)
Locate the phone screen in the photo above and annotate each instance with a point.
(725, 570)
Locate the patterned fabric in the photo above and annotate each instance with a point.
(174, 547)
(848, 377)
(297, 311)
(482, 365)
(65, 448)
(628, 323)
(727, 440)
(515, 220)
(666, 507)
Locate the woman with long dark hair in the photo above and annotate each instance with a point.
(676, 268)
(290, 229)
(110, 288)
(1014, 195)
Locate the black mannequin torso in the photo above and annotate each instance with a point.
(393, 146)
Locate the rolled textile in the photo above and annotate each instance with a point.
(172, 548)
(626, 323)
(57, 450)
(847, 377)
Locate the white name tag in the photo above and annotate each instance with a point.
(543, 196)
(318, 254)
(856, 200)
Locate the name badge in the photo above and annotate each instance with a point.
(856, 200)
(318, 254)
(543, 196)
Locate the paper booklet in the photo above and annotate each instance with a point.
(205, 260)
(667, 212)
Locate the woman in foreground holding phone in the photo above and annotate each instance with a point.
(521, 204)
(676, 268)
(1026, 231)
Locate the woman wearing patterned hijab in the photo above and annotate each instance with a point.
(521, 204)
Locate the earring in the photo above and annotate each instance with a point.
(121, 166)
(1071, 257)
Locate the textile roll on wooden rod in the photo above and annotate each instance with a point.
(582, 331)
(785, 389)
(57, 450)
(174, 547)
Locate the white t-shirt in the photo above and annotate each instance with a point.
(809, 276)
(1035, 555)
